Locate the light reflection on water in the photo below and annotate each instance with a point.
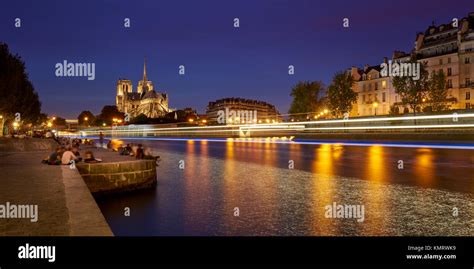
(272, 199)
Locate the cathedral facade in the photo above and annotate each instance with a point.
(144, 101)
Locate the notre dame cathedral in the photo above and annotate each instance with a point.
(145, 101)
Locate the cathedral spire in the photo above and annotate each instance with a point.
(144, 70)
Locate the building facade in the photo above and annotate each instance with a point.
(240, 111)
(447, 47)
(375, 93)
(144, 101)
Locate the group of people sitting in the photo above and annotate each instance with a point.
(136, 150)
(68, 152)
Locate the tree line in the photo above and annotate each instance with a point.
(427, 94)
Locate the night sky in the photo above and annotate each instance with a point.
(221, 61)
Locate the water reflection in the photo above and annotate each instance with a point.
(424, 168)
(273, 199)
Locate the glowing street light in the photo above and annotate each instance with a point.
(54, 118)
(50, 124)
(375, 105)
(204, 121)
(191, 120)
(326, 111)
(15, 125)
(104, 124)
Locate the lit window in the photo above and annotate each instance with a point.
(384, 84)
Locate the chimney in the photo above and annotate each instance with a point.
(355, 73)
(366, 66)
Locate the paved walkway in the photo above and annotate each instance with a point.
(65, 205)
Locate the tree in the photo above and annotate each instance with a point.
(340, 93)
(438, 91)
(107, 114)
(60, 121)
(306, 98)
(17, 94)
(412, 91)
(140, 119)
(86, 118)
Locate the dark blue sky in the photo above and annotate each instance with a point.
(221, 61)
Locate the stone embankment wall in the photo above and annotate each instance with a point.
(116, 177)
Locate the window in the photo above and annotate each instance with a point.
(363, 88)
(384, 84)
(383, 97)
(468, 82)
(370, 97)
(440, 61)
(467, 60)
(449, 71)
(468, 95)
(363, 98)
(449, 60)
(450, 83)
(468, 105)
(370, 86)
(376, 85)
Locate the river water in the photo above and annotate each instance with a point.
(244, 188)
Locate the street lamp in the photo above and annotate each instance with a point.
(50, 124)
(15, 125)
(375, 105)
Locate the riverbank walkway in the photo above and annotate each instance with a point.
(65, 204)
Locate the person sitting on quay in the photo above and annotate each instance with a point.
(125, 150)
(55, 157)
(69, 156)
(139, 154)
(148, 155)
(109, 145)
(89, 158)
